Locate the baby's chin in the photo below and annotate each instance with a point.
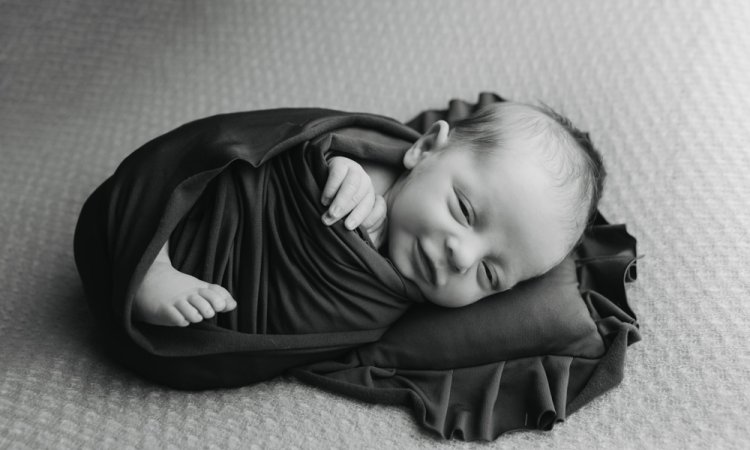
(437, 296)
(441, 297)
(448, 302)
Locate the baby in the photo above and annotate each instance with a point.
(500, 198)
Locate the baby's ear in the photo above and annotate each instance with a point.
(433, 139)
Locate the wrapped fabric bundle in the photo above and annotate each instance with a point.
(238, 198)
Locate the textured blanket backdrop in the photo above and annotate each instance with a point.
(662, 86)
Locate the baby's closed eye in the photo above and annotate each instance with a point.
(464, 208)
(490, 275)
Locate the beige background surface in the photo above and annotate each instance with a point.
(663, 87)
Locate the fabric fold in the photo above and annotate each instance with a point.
(467, 403)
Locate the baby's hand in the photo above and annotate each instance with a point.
(354, 197)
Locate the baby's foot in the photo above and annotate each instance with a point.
(172, 298)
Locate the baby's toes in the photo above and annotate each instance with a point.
(217, 300)
(202, 305)
(228, 302)
(188, 311)
(175, 317)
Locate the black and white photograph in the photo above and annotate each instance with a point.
(361, 224)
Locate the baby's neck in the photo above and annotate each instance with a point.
(384, 179)
(383, 176)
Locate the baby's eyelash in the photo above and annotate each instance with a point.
(463, 206)
(464, 209)
(487, 271)
(492, 277)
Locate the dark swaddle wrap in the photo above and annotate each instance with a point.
(238, 197)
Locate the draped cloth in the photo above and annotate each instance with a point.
(238, 198)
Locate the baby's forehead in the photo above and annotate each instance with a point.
(521, 150)
(522, 173)
(550, 148)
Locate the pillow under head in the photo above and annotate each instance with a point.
(542, 316)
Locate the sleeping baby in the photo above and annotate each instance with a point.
(501, 197)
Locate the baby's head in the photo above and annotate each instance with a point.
(501, 197)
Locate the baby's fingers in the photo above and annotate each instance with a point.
(336, 176)
(360, 211)
(353, 189)
(377, 215)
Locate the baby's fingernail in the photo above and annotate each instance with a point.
(349, 224)
(325, 201)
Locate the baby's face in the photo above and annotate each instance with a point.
(462, 229)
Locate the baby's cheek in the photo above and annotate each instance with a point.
(393, 250)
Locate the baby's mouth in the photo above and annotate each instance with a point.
(425, 264)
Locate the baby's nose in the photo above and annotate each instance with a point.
(462, 253)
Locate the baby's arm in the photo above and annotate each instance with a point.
(349, 192)
(172, 298)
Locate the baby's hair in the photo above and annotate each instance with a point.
(581, 166)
